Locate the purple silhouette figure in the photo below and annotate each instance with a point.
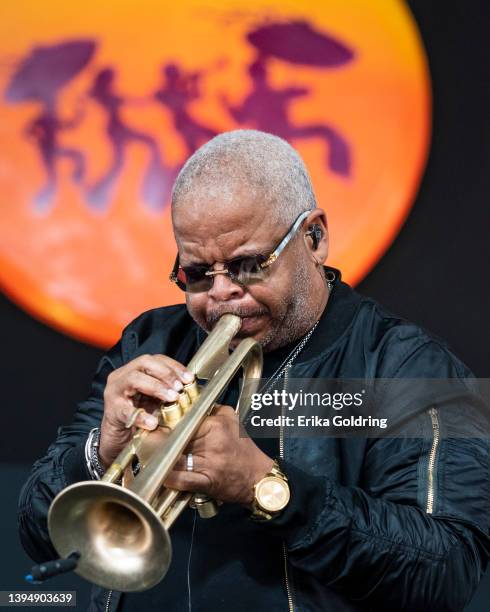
(266, 108)
(178, 91)
(40, 77)
(157, 181)
(44, 130)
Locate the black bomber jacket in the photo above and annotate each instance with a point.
(359, 531)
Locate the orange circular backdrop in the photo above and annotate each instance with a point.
(102, 102)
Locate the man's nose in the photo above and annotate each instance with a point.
(225, 289)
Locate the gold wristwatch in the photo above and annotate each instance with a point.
(271, 494)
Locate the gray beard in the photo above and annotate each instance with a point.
(299, 315)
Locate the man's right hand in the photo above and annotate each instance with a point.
(145, 382)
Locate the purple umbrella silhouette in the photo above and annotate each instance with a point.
(47, 69)
(267, 107)
(298, 43)
(39, 77)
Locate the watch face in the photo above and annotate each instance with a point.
(272, 494)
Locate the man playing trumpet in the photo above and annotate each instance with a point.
(400, 523)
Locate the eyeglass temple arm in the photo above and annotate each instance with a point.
(287, 238)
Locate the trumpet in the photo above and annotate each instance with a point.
(120, 524)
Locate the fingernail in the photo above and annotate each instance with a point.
(187, 377)
(171, 394)
(151, 421)
(178, 385)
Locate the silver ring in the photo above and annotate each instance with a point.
(189, 466)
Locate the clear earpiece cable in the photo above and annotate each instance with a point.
(189, 561)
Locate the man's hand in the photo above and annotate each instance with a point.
(145, 382)
(226, 466)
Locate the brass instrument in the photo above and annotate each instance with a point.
(121, 532)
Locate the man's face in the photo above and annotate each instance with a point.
(274, 309)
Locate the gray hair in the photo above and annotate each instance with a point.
(269, 166)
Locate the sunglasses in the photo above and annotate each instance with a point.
(242, 270)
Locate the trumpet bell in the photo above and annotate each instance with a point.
(122, 541)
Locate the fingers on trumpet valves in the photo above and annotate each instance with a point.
(172, 413)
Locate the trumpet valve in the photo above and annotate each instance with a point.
(192, 390)
(185, 402)
(206, 506)
(171, 414)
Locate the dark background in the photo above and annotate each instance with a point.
(435, 273)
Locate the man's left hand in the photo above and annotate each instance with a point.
(226, 464)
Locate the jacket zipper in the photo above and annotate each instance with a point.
(432, 460)
(289, 592)
(109, 597)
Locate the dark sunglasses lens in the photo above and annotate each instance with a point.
(194, 279)
(247, 269)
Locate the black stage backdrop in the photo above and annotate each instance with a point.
(435, 273)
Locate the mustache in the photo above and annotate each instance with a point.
(213, 316)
